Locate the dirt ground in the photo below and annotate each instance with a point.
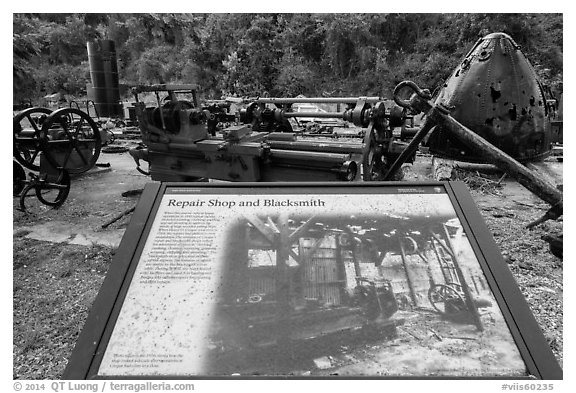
(61, 258)
(429, 345)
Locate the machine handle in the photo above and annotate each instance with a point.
(425, 94)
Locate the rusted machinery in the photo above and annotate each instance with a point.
(439, 115)
(492, 109)
(55, 144)
(270, 301)
(104, 91)
(496, 93)
(301, 282)
(184, 142)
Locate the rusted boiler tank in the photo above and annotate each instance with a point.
(495, 92)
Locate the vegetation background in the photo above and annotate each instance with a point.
(275, 54)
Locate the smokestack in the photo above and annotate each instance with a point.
(105, 91)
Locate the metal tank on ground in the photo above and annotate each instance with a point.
(495, 92)
(105, 91)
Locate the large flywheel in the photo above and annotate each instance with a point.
(70, 140)
(27, 127)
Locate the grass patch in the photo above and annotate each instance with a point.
(54, 287)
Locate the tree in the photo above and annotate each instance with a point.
(295, 76)
(25, 47)
(276, 54)
(252, 69)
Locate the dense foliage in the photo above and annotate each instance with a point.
(275, 54)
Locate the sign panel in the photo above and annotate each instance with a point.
(307, 281)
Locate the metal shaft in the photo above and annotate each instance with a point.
(328, 147)
(319, 100)
(411, 148)
(310, 157)
(324, 115)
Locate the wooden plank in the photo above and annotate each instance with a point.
(446, 248)
(301, 229)
(528, 178)
(295, 256)
(272, 225)
(407, 272)
(267, 232)
(442, 169)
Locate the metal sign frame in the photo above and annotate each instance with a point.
(87, 356)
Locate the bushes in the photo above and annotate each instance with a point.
(278, 54)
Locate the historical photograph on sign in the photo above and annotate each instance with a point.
(300, 285)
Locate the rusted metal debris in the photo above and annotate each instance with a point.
(438, 114)
(496, 93)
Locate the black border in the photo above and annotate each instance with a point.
(100, 313)
(87, 355)
(512, 300)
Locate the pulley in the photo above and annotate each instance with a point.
(167, 117)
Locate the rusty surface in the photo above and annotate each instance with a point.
(104, 90)
(185, 142)
(496, 93)
(438, 114)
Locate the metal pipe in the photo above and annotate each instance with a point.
(309, 157)
(105, 88)
(163, 87)
(318, 100)
(411, 148)
(327, 147)
(323, 115)
(333, 135)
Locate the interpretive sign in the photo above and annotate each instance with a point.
(378, 280)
